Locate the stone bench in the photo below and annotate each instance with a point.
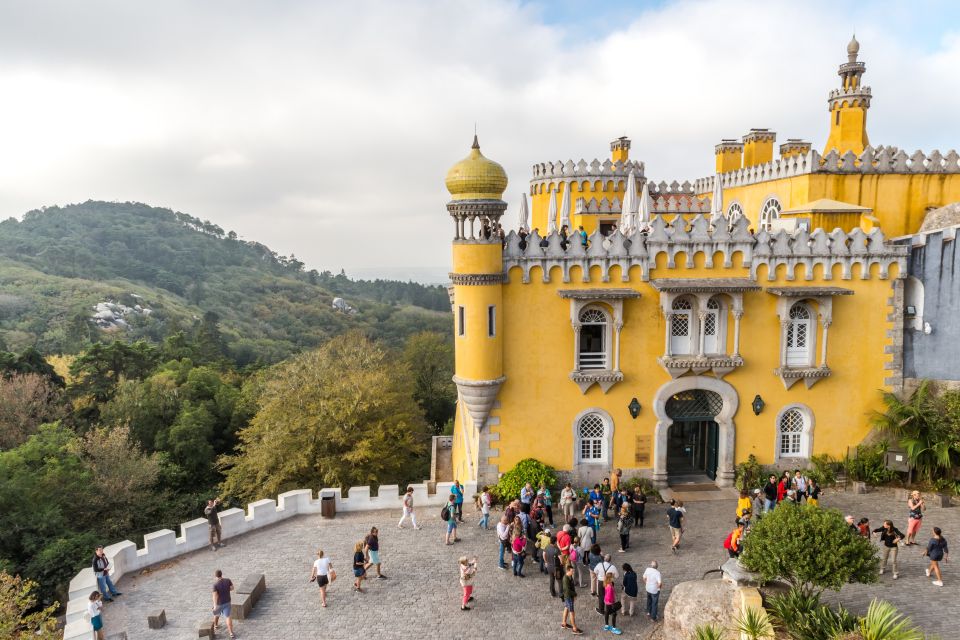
(157, 619)
(205, 628)
(241, 604)
(254, 584)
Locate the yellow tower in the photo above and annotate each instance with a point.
(758, 147)
(476, 186)
(848, 106)
(620, 149)
(729, 155)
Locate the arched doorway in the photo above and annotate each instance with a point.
(693, 438)
(695, 430)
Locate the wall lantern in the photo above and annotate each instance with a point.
(757, 405)
(634, 408)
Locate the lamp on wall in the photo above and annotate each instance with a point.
(757, 405)
(634, 408)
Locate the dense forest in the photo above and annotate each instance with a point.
(109, 433)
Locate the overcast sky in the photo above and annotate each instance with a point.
(325, 129)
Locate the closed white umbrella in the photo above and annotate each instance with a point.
(716, 200)
(524, 211)
(565, 208)
(552, 213)
(646, 206)
(628, 210)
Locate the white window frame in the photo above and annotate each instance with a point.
(607, 337)
(690, 338)
(805, 436)
(720, 327)
(604, 441)
(734, 211)
(796, 357)
(769, 212)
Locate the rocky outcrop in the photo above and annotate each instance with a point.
(700, 602)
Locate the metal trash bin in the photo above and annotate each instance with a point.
(328, 506)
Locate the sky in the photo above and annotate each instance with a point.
(325, 129)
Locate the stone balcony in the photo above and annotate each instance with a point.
(717, 364)
(586, 378)
(809, 375)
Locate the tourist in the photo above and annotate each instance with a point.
(756, 511)
(863, 527)
(547, 501)
(890, 538)
(854, 529)
(732, 542)
(916, 507)
(813, 492)
(937, 551)
(630, 590)
(519, 550)
(593, 559)
(615, 478)
(359, 567)
(542, 542)
(568, 501)
(675, 520)
(323, 574)
(595, 495)
(457, 491)
(101, 570)
(564, 232)
(564, 542)
(593, 512)
(526, 494)
(639, 502)
(610, 606)
(538, 508)
(605, 492)
(408, 510)
(783, 486)
(450, 515)
(569, 592)
(654, 583)
(586, 535)
(221, 601)
(503, 535)
(371, 546)
(551, 558)
(522, 519)
(485, 501)
(213, 519)
(583, 237)
(523, 238)
(468, 569)
(744, 505)
(601, 571)
(770, 494)
(800, 483)
(95, 611)
(623, 527)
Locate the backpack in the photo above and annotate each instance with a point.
(445, 514)
(573, 554)
(728, 543)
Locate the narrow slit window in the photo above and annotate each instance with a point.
(461, 322)
(491, 321)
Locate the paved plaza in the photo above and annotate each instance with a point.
(421, 597)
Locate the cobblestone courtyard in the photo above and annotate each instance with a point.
(420, 598)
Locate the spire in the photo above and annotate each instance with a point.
(853, 49)
(476, 142)
(848, 105)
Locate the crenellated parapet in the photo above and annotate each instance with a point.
(548, 176)
(679, 238)
(679, 203)
(851, 96)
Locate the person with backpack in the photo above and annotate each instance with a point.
(675, 519)
(732, 542)
(610, 606)
(937, 552)
(602, 571)
(449, 515)
(408, 510)
(624, 523)
(568, 590)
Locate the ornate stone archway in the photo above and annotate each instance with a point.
(724, 419)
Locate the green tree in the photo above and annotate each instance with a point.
(341, 415)
(20, 617)
(98, 371)
(26, 401)
(430, 358)
(779, 547)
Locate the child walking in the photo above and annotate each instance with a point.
(468, 569)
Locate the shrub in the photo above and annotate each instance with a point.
(527, 470)
(800, 614)
(782, 543)
(869, 465)
(707, 632)
(750, 474)
(754, 624)
(824, 469)
(646, 485)
(884, 622)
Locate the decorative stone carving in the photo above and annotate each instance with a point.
(476, 278)
(478, 396)
(809, 375)
(719, 365)
(604, 378)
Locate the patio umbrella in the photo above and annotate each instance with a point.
(552, 213)
(628, 210)
(716, 200)
(565, 208)
(524, 211)
(646, 206)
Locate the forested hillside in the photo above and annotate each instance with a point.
(58, 262)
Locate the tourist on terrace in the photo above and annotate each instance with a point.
(916, 507)
(451, 516)
(593, 513)
(605, 493)
(569, 592)
(583, 236)
(485, 501)
(213, 519)
(564, 233)
(408, 510)
(519, 549)
(813, 492)
(468, 569)
(732, 543)
(552, 560)
(568, 501)
(770, 493)
(101, 570)
(654, 583)
(937, 552)
(675, 520)
(890, 538)
(630, 590)
(610, 606)
(744, 505)
(457, 491)
(639, 500)
(359, 567)
(526, 494)
(800, 483)
(321, 573)
(565, 542)
(371, 547)
(503, 535)
(756, 511)
(547, 501)
(221, 601)
(624, 523)
(95, 611)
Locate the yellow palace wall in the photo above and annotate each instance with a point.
(608, 188)
(538, 403)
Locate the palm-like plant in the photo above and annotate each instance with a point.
(707, 632)
(884, 622)
(754, 623)
(919, 425)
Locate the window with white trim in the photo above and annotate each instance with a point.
(800, 336)
(734, 212)
(712, 339)
(592, 438)
(792, 433)
(594, 339)
(769, 212)
(681, 327)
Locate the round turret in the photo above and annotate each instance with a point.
(476, 177)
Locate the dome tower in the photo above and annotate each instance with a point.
(848, 106)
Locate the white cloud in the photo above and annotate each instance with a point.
(325, 129)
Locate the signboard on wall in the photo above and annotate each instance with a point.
(644, 451)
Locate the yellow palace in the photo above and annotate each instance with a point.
(756, 311)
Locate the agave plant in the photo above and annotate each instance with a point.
(754, 624)
(708, 631)
(884, 622)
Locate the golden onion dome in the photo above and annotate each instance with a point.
(476, 177)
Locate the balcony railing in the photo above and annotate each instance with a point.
(591, 361)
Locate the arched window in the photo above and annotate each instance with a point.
(712, 342)
(913, 303)
(592, 438)
(793, 434)
(594, 326)
(681, 327)
(769, 212)
(734, 212)
(800, 336)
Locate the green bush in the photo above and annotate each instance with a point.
(791, 542)
(527, 470)
(869, 465)
(708, 631)
(649, 490)
(800, 614)
(750, 474)
(824, 469)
